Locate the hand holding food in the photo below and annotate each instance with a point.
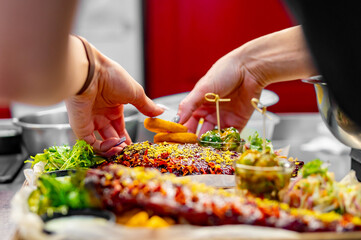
(100, 107)
(227, 79)
(242, 74)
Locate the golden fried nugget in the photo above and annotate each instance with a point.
(138, 220)
(158, 125)
(180, 137)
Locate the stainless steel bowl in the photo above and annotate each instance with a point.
(341, 126)
(48, 128)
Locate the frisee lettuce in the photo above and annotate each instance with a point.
(63, 157)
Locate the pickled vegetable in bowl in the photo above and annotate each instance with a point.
(262, 174)
(226, 139)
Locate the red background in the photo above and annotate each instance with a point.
(183, 38)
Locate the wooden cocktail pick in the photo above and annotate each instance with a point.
(212, 97)
(262, 109)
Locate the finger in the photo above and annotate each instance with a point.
(192, 124)
(90, 139)
(146, 106)
(119, 126)
(96, 145)
(109, 143)
(113, 151)
(108, 131)
(206, 127)
(204, 112)
(126, 135)
(188, 105)
(80, 118)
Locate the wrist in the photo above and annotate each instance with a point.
(276, 57)
(251, 64)
(91, 65)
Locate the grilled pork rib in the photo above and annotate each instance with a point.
(120, 189)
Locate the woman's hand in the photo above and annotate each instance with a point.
(242, 74)
(100, 107)
(228, 79)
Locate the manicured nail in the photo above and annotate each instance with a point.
(176, 119)
(123, 139)
(164, 107)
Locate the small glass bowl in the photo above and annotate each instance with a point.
(224, 146)
(264, 182)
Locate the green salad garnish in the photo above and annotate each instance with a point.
(64, 157)
(314, 167)
(256, 143)
(59, 195)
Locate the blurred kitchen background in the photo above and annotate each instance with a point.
(167, 46)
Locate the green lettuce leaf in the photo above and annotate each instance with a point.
(256, 143)
(314, 167)
(63, 157)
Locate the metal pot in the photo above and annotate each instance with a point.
(341, 126)
(10, 138)
(48, 128)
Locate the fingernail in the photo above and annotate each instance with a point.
(176, 119)
(123, 139)
(164, 107)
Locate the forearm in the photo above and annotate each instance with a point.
(40, 63)
(280, 56)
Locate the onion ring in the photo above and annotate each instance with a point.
(158, 125)
(180, 137)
